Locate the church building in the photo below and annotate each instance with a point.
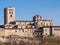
(26, 28)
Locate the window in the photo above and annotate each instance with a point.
(10, 15)
(15, 30)
(10, 12)
(7, 37)
(10, 9)
(23, 30)
(41, 23)
(45, 29)
(46, 24)
(2, 36)
(46, 33)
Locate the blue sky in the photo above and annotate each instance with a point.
(26, 9)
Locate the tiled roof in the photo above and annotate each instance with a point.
(46, 20)
(23, 21)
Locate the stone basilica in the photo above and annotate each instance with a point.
(26, 28)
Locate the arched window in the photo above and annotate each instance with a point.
(10, 15)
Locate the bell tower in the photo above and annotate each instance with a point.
(9, 15)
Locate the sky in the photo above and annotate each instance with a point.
(26, 9)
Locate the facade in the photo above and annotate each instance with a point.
(24, 28)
